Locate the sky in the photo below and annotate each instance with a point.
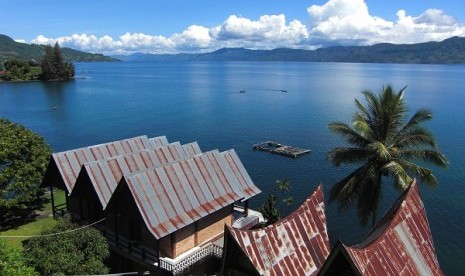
(194, 26)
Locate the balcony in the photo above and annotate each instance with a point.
(150, 259)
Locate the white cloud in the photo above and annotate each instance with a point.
(269, 32)
(349, 22)
(344, 22)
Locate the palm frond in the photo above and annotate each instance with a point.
(401, 179)
(362, 109)
(340, 156)
(351, 136)
(415, 137)
(428, 156)
(421, 115)
(362, 126)
(425, 175)
(373, 104)
(381, 151)
(346, 189)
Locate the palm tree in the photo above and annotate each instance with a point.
(385, 144)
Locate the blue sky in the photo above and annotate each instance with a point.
(124, 27)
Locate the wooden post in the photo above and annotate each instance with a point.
(53, 200)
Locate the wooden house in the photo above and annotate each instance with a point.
(162, 206)
(64, 167)
(97, 180)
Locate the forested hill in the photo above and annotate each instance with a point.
(10, 49)
(449, 51)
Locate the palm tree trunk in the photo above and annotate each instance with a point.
(373, 219)
(375, 211)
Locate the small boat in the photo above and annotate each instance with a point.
(242, 91)
(283, 90)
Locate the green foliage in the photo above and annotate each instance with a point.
(20, 70)
(269, 209)
(23, 159)
(79, 252)
(53, 67)
(12, 262)
(384, 143)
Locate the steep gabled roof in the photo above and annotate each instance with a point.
(175, 195)
(105, 174)
(69, 162)
(296, 245)
(400, 243)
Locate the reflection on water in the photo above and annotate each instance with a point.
(201, 101)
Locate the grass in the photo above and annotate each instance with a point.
(45, 220)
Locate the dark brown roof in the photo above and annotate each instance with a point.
(296, 245)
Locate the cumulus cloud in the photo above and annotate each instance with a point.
(337, 22)
(270, 31)
(349, 22)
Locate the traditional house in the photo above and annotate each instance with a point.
(296, 245)
(97, 180)
(162, 206)
(176, 211)
(400, 244)
(64, 167)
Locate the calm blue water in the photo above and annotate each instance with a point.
(201, 101)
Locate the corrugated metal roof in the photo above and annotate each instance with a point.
(401, 243)
(105, 174)
(296, 245)
(158, 141)
(69, 163)
(175, 195)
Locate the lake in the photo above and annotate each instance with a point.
(202, 102)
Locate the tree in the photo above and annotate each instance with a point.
(12, 262)
(384, 143)
(58, 62)
(24, 157)
(47, 65)
(53, 65)
(269, 209)
(77, 251)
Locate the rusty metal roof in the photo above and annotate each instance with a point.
(400, 243)
(158, 141)
(105, 174)
(175, 195)
(296, 245)
(69, 162)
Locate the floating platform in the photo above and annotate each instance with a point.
(281, 149)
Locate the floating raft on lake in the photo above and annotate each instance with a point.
(281, 149)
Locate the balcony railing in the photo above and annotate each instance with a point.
(140, 253)
(182, 266)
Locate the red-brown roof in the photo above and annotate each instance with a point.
(69, 162)
(296, 245)
(105, 174)
(172, 196)
(400, 244)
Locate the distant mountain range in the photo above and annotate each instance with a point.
(10, 49)
(449, 51)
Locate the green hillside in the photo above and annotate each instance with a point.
(10, 49)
